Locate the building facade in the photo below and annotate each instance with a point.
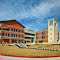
(29, 36)
(11, 32)
(41, 36)
(51, 35)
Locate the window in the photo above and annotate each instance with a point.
(43, 32)
(22, 36)
(19, 30)
(35, 41)
(5, 28)
(16, 30)
(14, 35)
(22, 41)
(11, 35)
(37, 34)
(42, 37)
(50, 29)
(51, 23)
(19, 41)
(50, 33)
(6, 34)
(19, 36)
(22, 31)
(11, 29)
(2, 34)
(40, 41)
(37, 37)
(51, 38)
(0, 28)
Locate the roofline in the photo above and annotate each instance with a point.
(12, 20)
(42, 30)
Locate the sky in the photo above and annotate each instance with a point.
(33, 14)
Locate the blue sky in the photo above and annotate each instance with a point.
(33, 14)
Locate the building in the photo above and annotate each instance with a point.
(11, 32)
(51, 35)
(41, 36)
(52, 31)
(29, 36)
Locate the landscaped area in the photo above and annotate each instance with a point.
(13, 50)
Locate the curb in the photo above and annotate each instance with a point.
(29, 56)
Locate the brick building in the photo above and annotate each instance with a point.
(41, 36)
(11, 32)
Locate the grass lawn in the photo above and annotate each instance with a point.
(13, 50)
(46, 46)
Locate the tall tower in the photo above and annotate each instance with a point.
(52, 31)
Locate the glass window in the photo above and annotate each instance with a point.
(11, 29)
(11, 35)
(16, 30)
(14, 35)
(19, 36)
(50, 29)
(35, 41)
(50, 33)
(8, 35)
(42, 33)
(37, 37)
(22, 41)
(2, 34)
(19, 30)
(50, 38)
(22, 31)
(42, 37)
(0, 28)
(40, 41)
(22, 36)
(37, 34)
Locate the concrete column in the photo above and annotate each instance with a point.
(26, 41)
(17, 41)
(10, 29)
(10, 41)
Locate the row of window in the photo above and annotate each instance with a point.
(43, 37)
(15, 30)
(39, 42)
(15, 41)
(43, 33)
(12, 35)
